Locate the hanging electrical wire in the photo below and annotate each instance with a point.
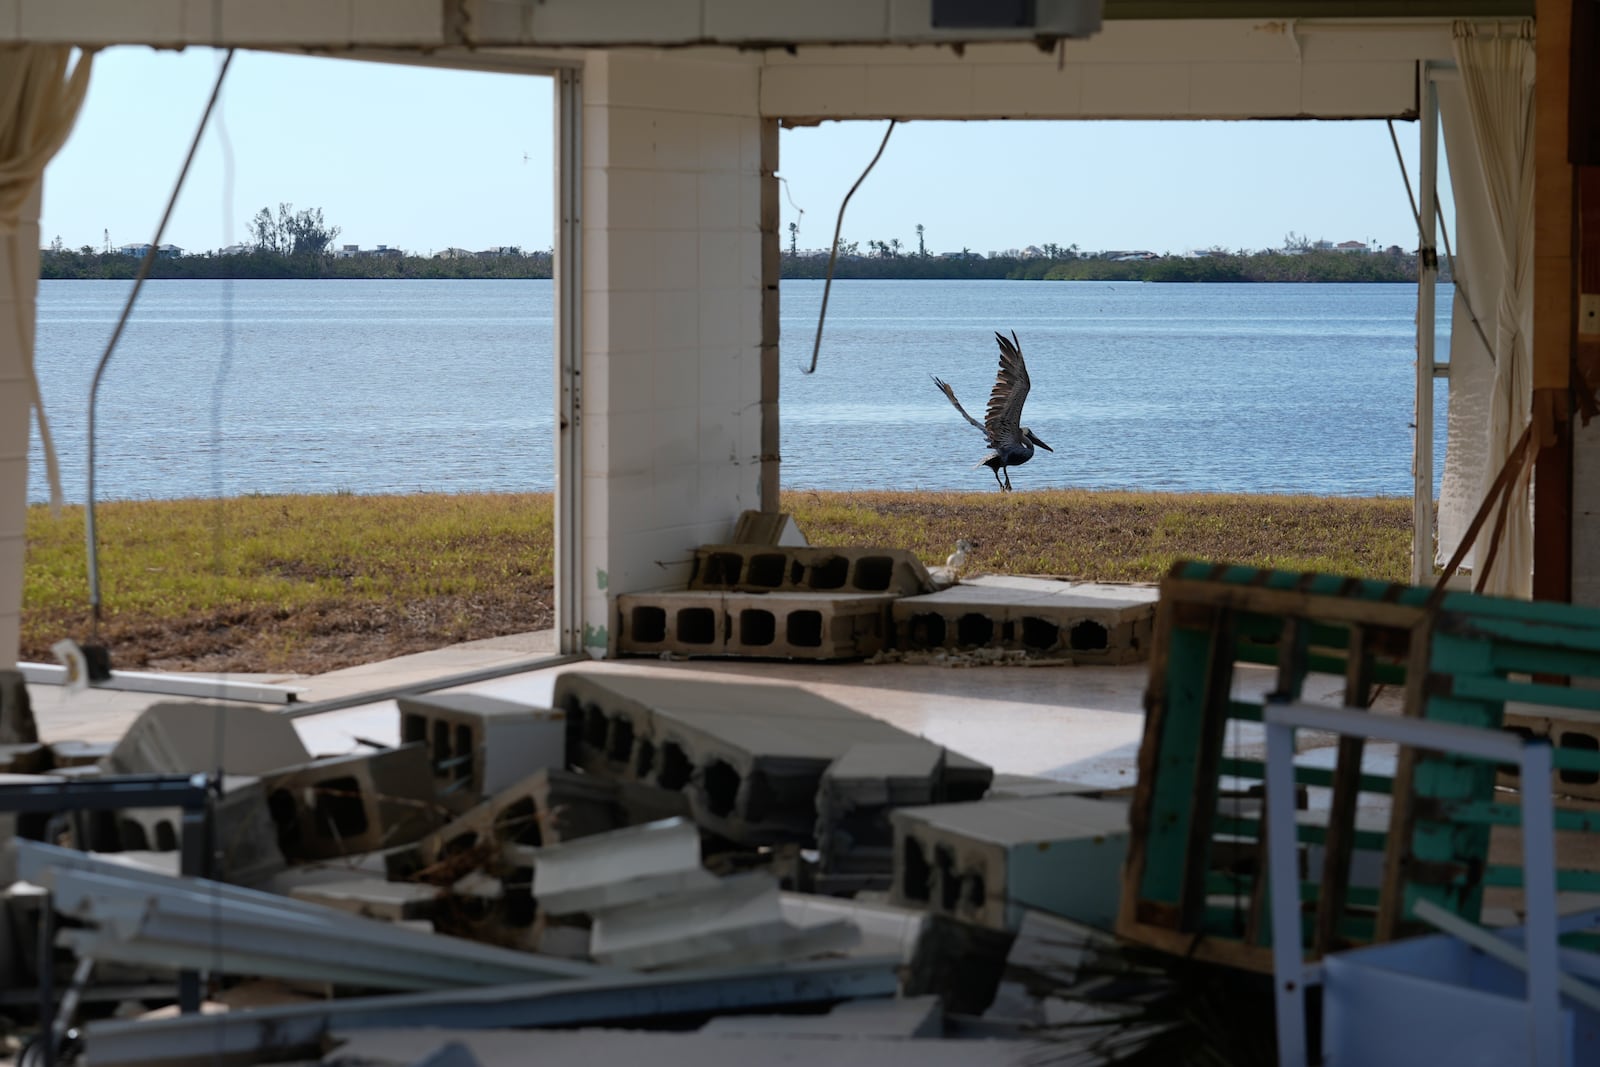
(98, 663)
(833, 255)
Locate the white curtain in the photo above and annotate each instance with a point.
(41, 89)
(1496, 66)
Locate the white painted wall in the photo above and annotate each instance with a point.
(19, 252)
(672, 316)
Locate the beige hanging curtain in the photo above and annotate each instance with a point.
(1497, 69)
(41, 90)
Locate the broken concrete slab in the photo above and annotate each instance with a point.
(373, 898)
(196, 738)
(747, 568)
(359, 803)
(855, 796)
(244, 840)
(1088, 622)
(875, 1018)
(767, 528)
(988, 862)
(806, 626)
(79, 753)
(750, 757)
(597, 874)
(479, 745)
(885, 930)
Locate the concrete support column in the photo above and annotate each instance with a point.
(19, 283)
(672, 317)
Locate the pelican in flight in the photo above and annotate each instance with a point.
(1010, 442)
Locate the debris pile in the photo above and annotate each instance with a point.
(739, 864)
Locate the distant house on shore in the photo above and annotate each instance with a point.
(140, 250)
(453, 253)
(236, 250)
(1352, 246)
(346, 252)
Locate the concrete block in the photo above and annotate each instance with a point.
(1087, 622)
(885, 930)
(1580, 734)
(190, 738)
(988, 862)
(352, 804)
(608, 871)
(856, 795)
(960, 961)
(810, 626)
(750, 757)
(25, 758)
(16, 711)
(479, 745)
(767, 528)
(79, 753)
(779, 568)
(244, 840)
(373, 898)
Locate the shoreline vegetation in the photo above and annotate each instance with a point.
(1217, 265)
(307, 584)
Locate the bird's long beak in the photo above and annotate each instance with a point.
(1038, 442)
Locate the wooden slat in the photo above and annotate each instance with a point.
(1342, 810)
(1203, 797)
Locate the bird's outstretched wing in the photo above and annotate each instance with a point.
(950, 393)
(1002, 421)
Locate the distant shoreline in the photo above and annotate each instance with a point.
(1314, 265)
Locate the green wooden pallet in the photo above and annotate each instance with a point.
(1194, 882)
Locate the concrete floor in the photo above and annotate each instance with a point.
(1081, 724)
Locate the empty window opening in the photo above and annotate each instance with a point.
(914, 883)
(721, 570)
(829, 573)
(766, 570)
(1581, 743)
(675, 767)
(1039, 633)
(927, 631)
(697, 626)
(874, 573)
(620, 746)
(722, 788)
(1088, 636)
(803, 629)
(340, 811)
(757, 627)
(649, 625)
(974, 629)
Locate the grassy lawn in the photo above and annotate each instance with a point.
(311, 583)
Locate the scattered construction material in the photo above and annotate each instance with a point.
(1086, 621)
(988, 862)
(812, 626)
(351, 804)
(858, 791)
(172, 738)
(744, 568)
(372, 898)
(750, 757)
(479, 745)
(596, 874)
(767, 528)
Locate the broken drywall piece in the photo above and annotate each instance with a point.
(597, 874)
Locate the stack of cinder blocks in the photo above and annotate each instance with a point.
(750, 758)
(791, 602)
(1084, 621)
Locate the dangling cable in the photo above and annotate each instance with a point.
(834, 254)
(116, 334)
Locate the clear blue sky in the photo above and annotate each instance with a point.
(426, 159)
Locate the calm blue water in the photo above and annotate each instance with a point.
(379, 386)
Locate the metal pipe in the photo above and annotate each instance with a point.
(568, 272)
(1422, 548)
(482, 674)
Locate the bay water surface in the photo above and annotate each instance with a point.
(228, 388)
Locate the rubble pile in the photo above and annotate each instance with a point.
(733, 865)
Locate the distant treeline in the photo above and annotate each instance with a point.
(263, 264)
(1309, 266)
(1314, 265)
